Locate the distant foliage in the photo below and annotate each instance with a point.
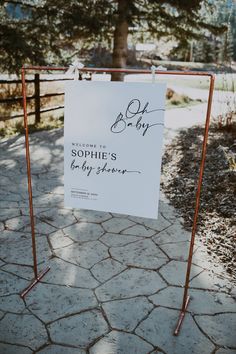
(221, 48)
(212, 47)
(54, 32)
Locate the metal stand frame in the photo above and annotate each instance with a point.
(38, 277)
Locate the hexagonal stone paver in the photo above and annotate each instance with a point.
(78, 330)
(18, 249)
(50, 185)
(58, 239)
(178, 251)
(82, 232)
(117, 225)
(23, 223)
(118, 215)
(54, 173)
(64, 273)
(167, 210)
(209, 280)
(49, 200)
(10, 197)
(143, 253)
(139, 230)
(10, 284)
(17, 222)
(209, 302)
(40, 228)
(40, 166)
(6, 214)
(201, 301)
(4, 180)
(23, 329)
(49, 302)
(170, 297)
(174, 272)
(130, 283)
(91, 215)
(12, 303)
(126, 314)
(1, 226)
(11, 236)
(174, 233)
(158, 329)
(58, 349)
(25, 272)
(1, 314)
(203, 259)
(233, 292)
(120, 343)
(58, 218)
(13, 349)
(215, 327)
(158, 225)
(111, 239)
(8, 204)
(85, 255)
(226, 351)
(9, 164)
(37, 210)
(106, 269)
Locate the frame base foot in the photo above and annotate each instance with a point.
(181, 316)
(34, 282)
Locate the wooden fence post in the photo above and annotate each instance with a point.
(37, 97)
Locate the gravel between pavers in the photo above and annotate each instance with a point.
(217, 217)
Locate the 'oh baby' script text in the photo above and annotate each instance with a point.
(135, 116)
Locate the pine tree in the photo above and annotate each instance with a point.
(44, 30)
(222, 47)
(230, 45)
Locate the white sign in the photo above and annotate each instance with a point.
(112, 146)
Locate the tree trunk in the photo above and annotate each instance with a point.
(120, 46)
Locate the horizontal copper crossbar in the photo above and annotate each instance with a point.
(124, 71)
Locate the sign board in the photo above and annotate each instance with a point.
(112, 146)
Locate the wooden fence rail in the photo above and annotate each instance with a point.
(36, 97)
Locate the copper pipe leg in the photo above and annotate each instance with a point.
(34, 282)
(181, 316)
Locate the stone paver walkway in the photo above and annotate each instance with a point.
(115, 284)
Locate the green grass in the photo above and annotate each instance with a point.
(222, 82)
(176, 100)
(182, 104)
(12, 129)
(225, 78)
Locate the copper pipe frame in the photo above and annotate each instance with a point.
(186, 297)
(37, 276)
